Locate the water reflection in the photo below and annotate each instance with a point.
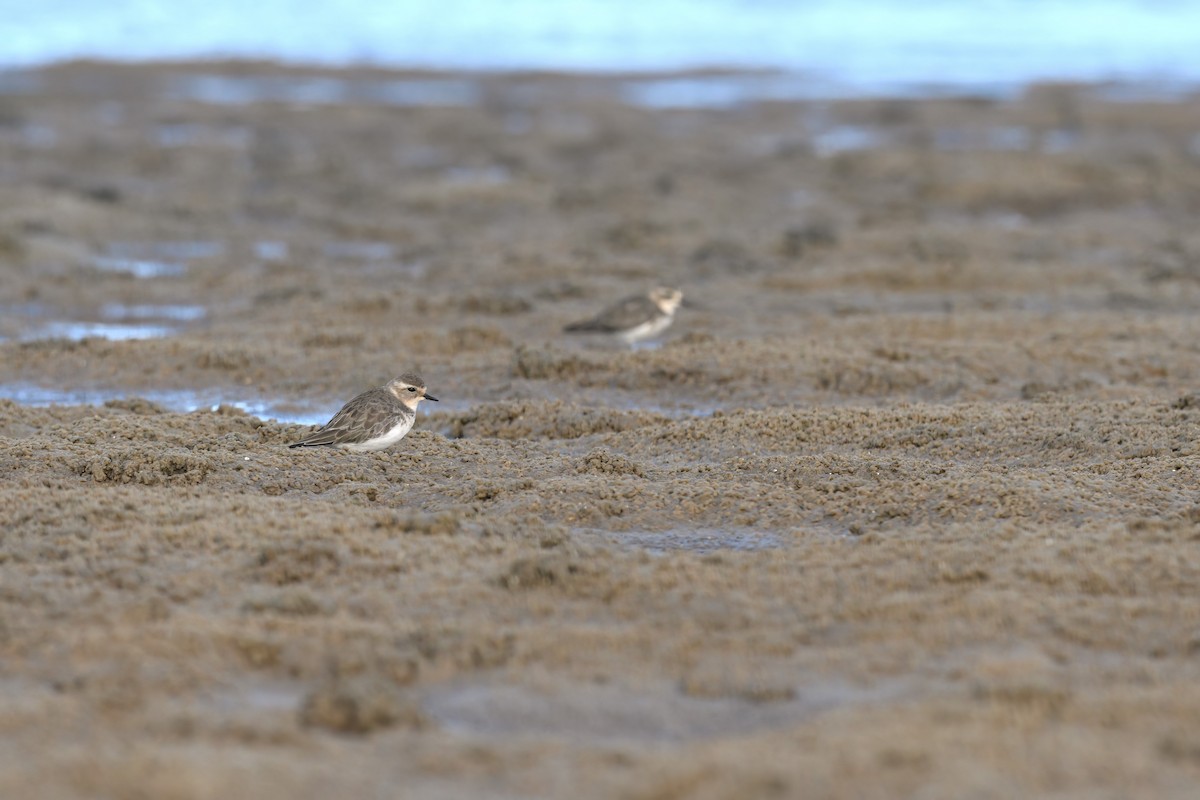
(180, 313)
(29, 322)
(181, 250)
(182, 401)
(155, 259)
(847, 138)
(76, 331)
(271, 251)
(718, 91)
(139, 267)
(241, 90)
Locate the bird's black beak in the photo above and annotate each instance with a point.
(429, 397)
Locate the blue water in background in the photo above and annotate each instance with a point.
(852, 47)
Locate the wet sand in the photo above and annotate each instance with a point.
(905, 505)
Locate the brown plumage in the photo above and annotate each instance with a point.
(634, 318)
(376, 419)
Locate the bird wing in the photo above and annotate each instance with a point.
(365, 417)
(628, 313)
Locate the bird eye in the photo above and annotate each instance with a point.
(411, 389)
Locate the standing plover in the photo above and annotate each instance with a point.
(376, 419)
(634, 318)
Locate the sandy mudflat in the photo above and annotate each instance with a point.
(906, 505)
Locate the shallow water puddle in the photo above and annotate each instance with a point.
(183, 250)
(607, 714)
(259, 696)
(139, 267)
(271, 251)
(180, 401)
(180, 313)
(697, 540)
(28, 322)
(123, 322)
(720, 91)
(239, 90)
(724, 91)
(847, 138)
(155, 259)
(113, 331)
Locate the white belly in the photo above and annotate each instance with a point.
(385, 441)
(646, 329)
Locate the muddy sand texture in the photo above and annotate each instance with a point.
(907, 506)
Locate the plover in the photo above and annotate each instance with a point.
(376, 419)
(634, 318)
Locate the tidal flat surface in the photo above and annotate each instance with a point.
(905, 504)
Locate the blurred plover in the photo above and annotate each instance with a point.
(634, 318)
(376, 419)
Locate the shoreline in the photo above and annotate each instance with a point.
(730, 85)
